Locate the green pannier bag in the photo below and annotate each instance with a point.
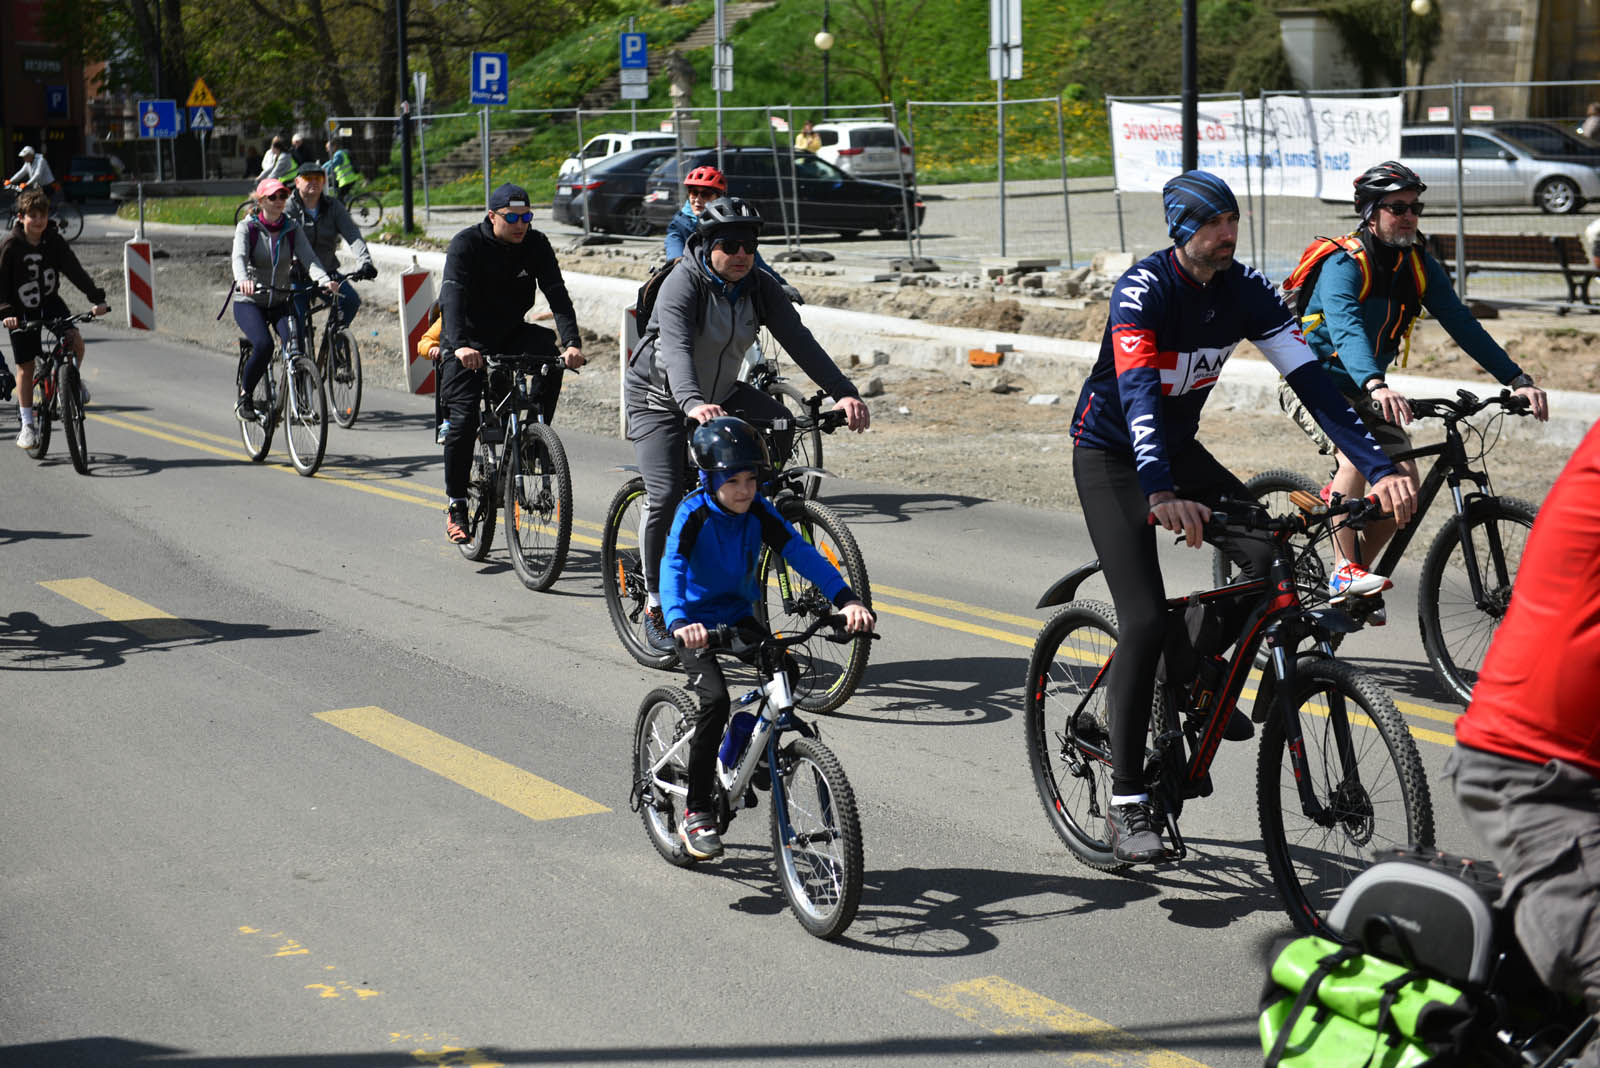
(1331, 1006)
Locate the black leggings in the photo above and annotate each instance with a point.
(257, 324)
(1117, 511)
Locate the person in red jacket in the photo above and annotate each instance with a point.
(1527, 760)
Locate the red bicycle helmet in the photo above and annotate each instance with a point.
(707, 177)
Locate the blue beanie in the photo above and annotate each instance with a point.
(1193, 199)
(713, 480)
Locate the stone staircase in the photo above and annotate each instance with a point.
(468, 156)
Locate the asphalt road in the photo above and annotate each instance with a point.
(209, 859)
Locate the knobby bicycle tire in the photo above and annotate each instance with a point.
(538, 506)
(43, 412)
(665, 716)
(482, 496)
(72, 415)
(1456, 630)
(820, 865)
(305, 416)
(343, 377)
(829, 672)
(622, 567)
(1381, 802)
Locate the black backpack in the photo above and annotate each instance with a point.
(644, 302)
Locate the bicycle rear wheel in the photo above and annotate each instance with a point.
(72, 415)
(816, 838)
(306, 414)
(257, 433)
(661, 768)
(829, 671)
(1456, 627)
(623, 567)
(68, 218)
(366, 209)
(538, 506)
(1364, 772)
(807, 450)
(344, 378)
(481, 497)
(44, 399)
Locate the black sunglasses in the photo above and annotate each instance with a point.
(735, 245)
(1398, 208)
(282, 194)
(514, 217)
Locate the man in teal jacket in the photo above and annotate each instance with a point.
(1361, 309)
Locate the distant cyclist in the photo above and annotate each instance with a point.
(705, 318)
(35, 172)
(493, 273)
(1364, 301)
(266, 246)
(1526, 764)
(340, 169)
(1175, 318)
(701, 187)
(325, 221)
(33, 260)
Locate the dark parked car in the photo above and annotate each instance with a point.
(613, 189)
(830, 201)
(89, 178)
(1550, 140)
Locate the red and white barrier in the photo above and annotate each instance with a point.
(139, 285)
(416, 298)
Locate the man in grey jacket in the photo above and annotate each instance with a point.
(325, 220)
(706, 316)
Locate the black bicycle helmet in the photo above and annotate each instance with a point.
(726, 215)
(1387, 177)
(728, 444)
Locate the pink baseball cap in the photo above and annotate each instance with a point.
(268, 186)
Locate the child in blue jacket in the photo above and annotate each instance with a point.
(709, 577)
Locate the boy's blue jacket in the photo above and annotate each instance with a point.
(708, 571)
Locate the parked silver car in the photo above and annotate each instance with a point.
(1495, 170)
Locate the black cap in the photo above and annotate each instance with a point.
(508, 196)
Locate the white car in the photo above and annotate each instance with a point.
(866, 148)
(610, 143)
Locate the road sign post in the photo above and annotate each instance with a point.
(202, 109)
(1005, 62)
(490, 82)
(635, 66)
(159, 119)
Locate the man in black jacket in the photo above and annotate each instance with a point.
(492, 273)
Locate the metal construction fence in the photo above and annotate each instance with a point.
(1007, 194)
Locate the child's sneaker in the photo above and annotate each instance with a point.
(1353, 580)
(655, 632)
(699, 834)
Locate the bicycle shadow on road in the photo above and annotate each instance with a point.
(13, 537)
(1407, 680)
(104, 464)
(390, 419)
(357, 467)
(882, 508)
(27, 643)
(1220, 882)
(956, 692)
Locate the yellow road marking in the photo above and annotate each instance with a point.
(950, 624)
(1005, 1008)
(133, 613)
(479, 772)
(1026, 622)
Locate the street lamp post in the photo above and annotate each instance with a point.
(824, 41)
(1407, 7)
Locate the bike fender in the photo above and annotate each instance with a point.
(1265, 695)
(1332, 621)
(1066, 587)
(822, 471)
(632, 468)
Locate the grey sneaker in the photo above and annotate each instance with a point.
(1134, 839)
(655, 632)
(699, 834)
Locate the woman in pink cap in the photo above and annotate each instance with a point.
(266, 245)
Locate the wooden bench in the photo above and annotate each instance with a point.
(1561, 254)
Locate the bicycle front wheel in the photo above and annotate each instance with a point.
(538, 506)
(68, 218)
(72, 416)
(661, 768)
(1067, 727)
(344, 378)
(1456, 626)
(816, 838)
(807, 451)
(1367, 779)
(622, 563)
(306, 411)
(44, 394)
(366, 209)
(829, 671)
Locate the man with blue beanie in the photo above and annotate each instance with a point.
(710, 576)
(1175, 318)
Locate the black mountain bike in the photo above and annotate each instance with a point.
(290, 392)
(56, 396)
(520, 466)
(1337, 777)
(816, 831)
(760, 369)
(338, 357)
(829, 672)
(1470, 567)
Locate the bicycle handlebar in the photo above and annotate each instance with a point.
(1466, 404)
(55, 326)
(725, 639)
(1251, 516)
(525, 359)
